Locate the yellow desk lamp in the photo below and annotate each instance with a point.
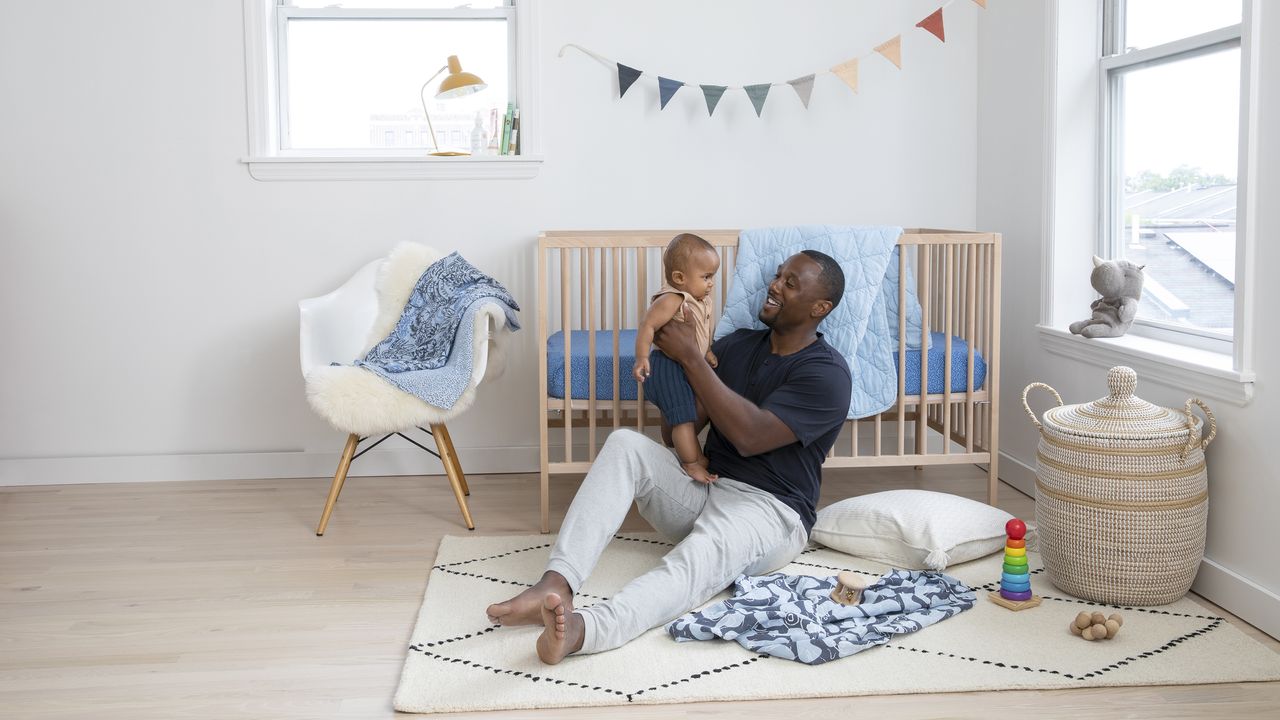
(456, 84)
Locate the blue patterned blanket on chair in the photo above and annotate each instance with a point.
(864, 327)
(429, 354)
(793, 616)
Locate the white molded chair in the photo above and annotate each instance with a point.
(343, 325)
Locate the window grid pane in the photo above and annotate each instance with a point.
(354, 84)
(1177, 151)
(1148, 23)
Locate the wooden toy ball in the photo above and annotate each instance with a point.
(1095, 626)
(1015, 529)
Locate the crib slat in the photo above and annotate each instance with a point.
(544, 430)
(592, 300)
(947, 290)
(877, 433)
(616, 255)
(854, 437)
(971, 296)
(902, 346)
(922, 439)
(993, 370)
(566, 326)
(642, 305)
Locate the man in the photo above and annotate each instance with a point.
(776, 403)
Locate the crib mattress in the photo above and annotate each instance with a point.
(579, 371)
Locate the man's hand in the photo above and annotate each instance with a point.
(678, 340)
(712, 360)
(641, 369)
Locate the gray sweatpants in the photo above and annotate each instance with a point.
(722, 530)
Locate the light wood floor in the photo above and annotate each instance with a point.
(216, 600)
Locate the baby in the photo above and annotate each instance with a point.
(689, 264)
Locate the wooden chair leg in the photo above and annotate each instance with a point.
(457, 466)
(449, 459)
(339, 477)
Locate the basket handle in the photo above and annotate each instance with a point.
(1035, 421)
(1191, 425)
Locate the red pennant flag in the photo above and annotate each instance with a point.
(933, 24)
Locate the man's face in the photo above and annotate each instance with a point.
(792, 294)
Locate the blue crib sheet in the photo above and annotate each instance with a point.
(580, 369)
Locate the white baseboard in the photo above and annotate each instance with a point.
(1018, 474)
(263, 465)
(1241, 596)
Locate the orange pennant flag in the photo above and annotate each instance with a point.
(848, 72)
(892, 50)
(933, 24)
(982, 3)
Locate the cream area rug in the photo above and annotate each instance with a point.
(458, 661)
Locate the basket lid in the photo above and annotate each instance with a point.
(1119, 414)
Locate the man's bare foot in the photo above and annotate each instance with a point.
(561, 629)
(698, 471)
(526, 608)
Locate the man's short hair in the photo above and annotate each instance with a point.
(681, 248)
(831, 277)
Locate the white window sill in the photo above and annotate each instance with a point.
(513, 167)
(1201, 372)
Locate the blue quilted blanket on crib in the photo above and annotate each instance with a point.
(863, 328)
(793, 616)
(429, 354)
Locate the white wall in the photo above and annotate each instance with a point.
(1241, 573)
(148, 300)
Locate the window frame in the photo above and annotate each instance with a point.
(1113, 64)
(1070, 219)
(266, 83)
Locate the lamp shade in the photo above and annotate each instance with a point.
(458, 83)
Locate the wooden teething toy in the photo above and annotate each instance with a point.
(1093, 626)
(849, 587)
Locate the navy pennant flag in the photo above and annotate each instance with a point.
(712, 93)
(626, 77)
(758, 93)
(666, 88)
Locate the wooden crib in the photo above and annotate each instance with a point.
(591, 283)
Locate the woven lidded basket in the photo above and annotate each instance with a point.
(1122, 494)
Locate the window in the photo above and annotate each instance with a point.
(1171, 115)
(336, 89)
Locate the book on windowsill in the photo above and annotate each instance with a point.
(513, 142)
(506, 129)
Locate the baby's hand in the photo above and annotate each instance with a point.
(712, 360)
(641, 369)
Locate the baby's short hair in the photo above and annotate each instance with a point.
(681, 248)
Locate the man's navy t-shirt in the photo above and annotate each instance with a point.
(807, 390)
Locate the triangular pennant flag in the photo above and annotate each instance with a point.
(666, 88)
(983, 3)
(626, 76)
(757, 93)
(712, 93)
(892, 50)
(804, 88)
(848, 72)
(933, 24)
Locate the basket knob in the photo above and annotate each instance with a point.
(1122, 381)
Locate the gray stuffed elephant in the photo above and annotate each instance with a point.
(1119, 282)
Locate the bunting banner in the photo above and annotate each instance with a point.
(892, 50)
(848, 73)
(758, 93)
(666, 88)
(933, 24)
(804, 88)
(712, 93)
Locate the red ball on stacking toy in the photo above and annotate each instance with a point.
(1015, 529)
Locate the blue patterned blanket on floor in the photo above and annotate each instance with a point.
(793, 616)
(429, 354)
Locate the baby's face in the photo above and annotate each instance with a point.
(699, 276)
